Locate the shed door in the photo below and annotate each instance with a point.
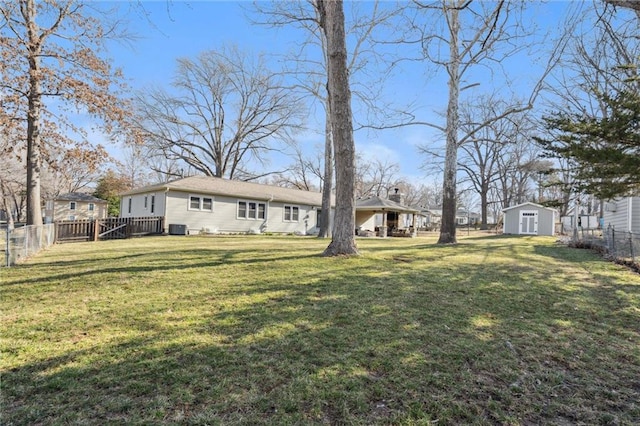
(529, 222)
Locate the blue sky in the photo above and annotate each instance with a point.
(178, 29)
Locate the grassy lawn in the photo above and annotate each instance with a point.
(261, 330)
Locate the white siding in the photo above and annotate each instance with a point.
(224, 217)
(366, 221)
(138, 208)
(626, 216)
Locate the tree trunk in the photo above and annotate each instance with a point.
(34, 158)
(483, 206)
(332, 19)
(448, 226)
(327, 181)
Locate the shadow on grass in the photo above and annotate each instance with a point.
(171, 261)
(388, 341)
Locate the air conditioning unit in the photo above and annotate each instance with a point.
(610, 207)
(175, 229)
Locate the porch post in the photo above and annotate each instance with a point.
(413, 226)
(383, 227)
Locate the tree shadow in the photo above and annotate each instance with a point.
(374, 343)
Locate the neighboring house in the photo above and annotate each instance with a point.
(202, 204)
(467, 218)
(463, 217)
(529, 219)
(623, 214)
(583, 220)
(74, 206)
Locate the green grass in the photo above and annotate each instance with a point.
(262, 330)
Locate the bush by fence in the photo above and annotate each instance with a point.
(22, 242)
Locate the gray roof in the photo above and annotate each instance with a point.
(378, 204)
(235, 188)
(528, 203)
(79, 196)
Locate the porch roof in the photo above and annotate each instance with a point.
(378, 204)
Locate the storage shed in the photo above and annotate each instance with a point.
(529, 219)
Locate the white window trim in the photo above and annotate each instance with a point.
(290, 207)
(73, 205)
(246, 211)
(91, 207)
(200, 203)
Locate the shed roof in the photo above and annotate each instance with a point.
(235, 188)
(539, 206)
(378, 204)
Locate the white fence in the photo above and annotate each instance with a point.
(22, 242)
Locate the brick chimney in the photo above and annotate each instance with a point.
(397, 196)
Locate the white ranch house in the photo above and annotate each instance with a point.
(202, 204)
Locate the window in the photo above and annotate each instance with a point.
(153, 204)
(242, 209)
(72, 217)
(145, 201)
(92, 207)
(251, 210)
(129, 207)
(291, 213)
(72, 205)
(196, 202)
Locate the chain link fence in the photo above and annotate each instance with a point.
(621, 246)
(20, 243)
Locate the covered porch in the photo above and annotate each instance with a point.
(397, 220)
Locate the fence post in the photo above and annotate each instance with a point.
(631, 246)
(96, 229)
(613, 241)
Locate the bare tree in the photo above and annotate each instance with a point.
(226, 109)
(72, 170)
(375, 177)
(629, 4)
(12, 187)
(332, 22)
(474, 34)
(304, 174)
(309, 71)
(50, 49)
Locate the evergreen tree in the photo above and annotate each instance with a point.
(109, 187)
(604, 152)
